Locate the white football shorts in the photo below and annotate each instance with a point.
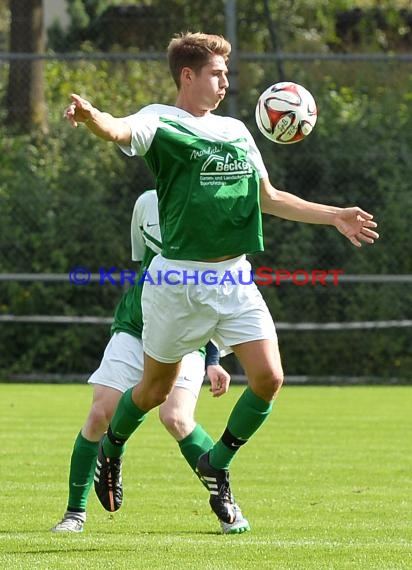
(122, 366)
(186, 303)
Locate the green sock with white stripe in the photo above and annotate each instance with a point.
(82, 465)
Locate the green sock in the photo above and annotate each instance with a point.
(194, 445)
(82, 464)
(247, 416)
(127, 418)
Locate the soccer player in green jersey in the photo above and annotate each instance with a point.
(212, 187)
(120, 369)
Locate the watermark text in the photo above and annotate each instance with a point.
(262, 276)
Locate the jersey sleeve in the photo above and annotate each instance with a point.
(143, 126)
(136, 231)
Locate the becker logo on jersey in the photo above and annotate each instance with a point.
(221, 168)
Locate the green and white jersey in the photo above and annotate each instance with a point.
(207, 172)
(146, 243)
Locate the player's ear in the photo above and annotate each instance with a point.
(186, 76)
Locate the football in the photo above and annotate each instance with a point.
(286, 112)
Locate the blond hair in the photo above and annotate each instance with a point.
(194, 50)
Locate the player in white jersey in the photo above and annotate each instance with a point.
(212, 187)
(120, 369)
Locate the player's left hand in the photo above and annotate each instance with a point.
(219, 380)
(356, 224)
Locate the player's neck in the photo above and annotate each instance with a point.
(189, 107)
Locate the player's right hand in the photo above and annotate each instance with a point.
(79, 111)
(219, 380)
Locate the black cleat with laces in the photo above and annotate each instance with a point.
(217, 481)
(108, 480)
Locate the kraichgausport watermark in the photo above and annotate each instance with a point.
(261, 276)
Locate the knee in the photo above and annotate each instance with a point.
(96, 423)
(178, 424)
(272, 383)
(153, 390)
(268, 384)
(277, 379)
(158, 396)
(99, 416)
(146, 396)
(169, 418)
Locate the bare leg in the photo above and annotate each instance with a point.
(263, 367)
(177, 413)
(104, 403)
(156, 384)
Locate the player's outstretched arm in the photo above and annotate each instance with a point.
(101, 124)
(354, 223)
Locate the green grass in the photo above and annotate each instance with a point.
(326, 484)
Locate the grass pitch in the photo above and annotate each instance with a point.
(325, 484)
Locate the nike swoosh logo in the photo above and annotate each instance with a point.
(151, 225)
(79, 485)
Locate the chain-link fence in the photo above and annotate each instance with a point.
(66, 201)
